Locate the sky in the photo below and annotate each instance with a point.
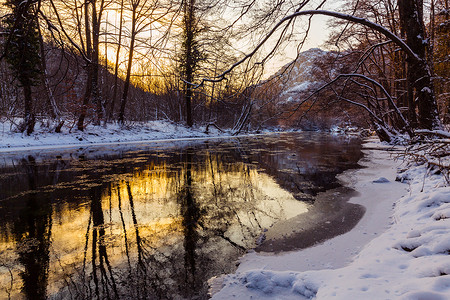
(318, 34)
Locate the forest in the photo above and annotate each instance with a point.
(165, 149)
(68, 64)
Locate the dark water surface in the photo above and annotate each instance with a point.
(159, 220)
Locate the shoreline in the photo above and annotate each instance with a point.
(339, 251)
(330, 216)
(113, 135)
(399, 250)
(110, 135)
(377, 218)
(121, 143)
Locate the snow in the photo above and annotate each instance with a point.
(400, 249)
(405, 256)
(300, 87)
(441, 133)
(111, 134)
(301, 75)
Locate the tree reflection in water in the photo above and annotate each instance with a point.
(149, 224)
(32, 233)
(190, 213)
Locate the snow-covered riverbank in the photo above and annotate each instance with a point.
(405, 250)
(112, 134)
(393, 253)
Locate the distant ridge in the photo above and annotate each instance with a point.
(304, 74)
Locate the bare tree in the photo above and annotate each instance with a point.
(419, 69)
(116, 65)
(143, 14)
(191, 54)
(93, 13)
(416, 59)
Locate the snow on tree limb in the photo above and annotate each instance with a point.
(362, 21)
(441, 133)
(397, 110)
(338, 15)
(376, 83)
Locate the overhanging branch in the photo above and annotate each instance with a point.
(338, 15)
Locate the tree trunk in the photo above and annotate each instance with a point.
(96, 97)
(43, 66)
(188, 100)
(29, 115)
(92, 32)
(88, 88)
(126, 86)
(53, 107)
(419, 73)
(86, 98)
(116, 67)
(190, 61)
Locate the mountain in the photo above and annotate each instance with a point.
(302, 75)
(290, 95)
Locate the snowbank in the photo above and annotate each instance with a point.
(408, 260)
(42, 138)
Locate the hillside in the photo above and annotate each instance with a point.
(292, 93)
(302, 75)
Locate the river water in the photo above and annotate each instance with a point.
(156, 221)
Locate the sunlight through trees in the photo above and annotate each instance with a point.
(205, 62)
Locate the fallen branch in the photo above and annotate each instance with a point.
(440, 133)
(434, 152)
(213, 125)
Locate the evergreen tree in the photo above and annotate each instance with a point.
(22, 52)
(191, 54)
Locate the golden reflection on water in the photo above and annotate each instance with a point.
(156, 217)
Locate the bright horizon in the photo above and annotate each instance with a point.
(316, 38)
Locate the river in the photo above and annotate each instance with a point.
(157, 220)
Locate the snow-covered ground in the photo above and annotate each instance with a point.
(42, 138)
(399, 250)
(404, 236)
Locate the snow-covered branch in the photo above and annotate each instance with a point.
(338, 15)
(364, 22)
(440, 133)
(379, 85)
(374, 82)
